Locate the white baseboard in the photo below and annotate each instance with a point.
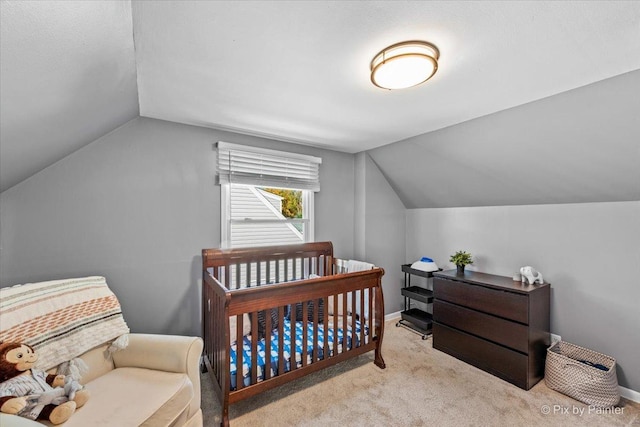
(392, 316)
(555, 338)
(629, 394)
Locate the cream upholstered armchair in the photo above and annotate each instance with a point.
(151, 380)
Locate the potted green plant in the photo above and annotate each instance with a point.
(460, 259)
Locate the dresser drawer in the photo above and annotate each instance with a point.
(501, 331)
(508, 305)
(507, 364)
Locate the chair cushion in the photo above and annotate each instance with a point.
(134, 397)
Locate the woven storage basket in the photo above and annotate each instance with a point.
(564, 372)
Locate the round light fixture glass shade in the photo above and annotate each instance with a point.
(404, 65)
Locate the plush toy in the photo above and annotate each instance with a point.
(531, 275)
(31, 393)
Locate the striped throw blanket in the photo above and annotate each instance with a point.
(61, 319)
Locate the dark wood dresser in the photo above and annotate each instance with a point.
(494, 323)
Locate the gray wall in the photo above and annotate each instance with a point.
(590, 253)
(575, 147)
(380, 226)
(137, 206)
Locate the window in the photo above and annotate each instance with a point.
(267, 196)
(259, 216)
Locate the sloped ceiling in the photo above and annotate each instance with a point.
(295, 71)
(68, 77)
(580, 146)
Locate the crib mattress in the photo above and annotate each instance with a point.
(287, 348)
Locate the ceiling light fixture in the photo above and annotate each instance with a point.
(403, 65)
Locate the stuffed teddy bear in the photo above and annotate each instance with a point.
(33, 394)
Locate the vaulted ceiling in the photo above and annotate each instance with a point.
(294, 71)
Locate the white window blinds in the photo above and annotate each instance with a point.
(242, 164)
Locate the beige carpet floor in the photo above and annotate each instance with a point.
(420, 387)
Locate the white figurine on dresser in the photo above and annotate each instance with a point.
(531, 275)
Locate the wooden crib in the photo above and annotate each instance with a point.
(342, 316)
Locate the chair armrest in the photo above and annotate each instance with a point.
(7, 420)
(169, 353)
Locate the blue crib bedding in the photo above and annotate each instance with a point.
(246, 353)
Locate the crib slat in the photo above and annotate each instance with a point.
(214, 332)
(267, 348)
(254, 348)
(371, 313)
(206, 315)
(362, 318)
(325, 322)
(239, 345)
(221, 335)
(353, 320)
(213, 327)
(210, 339)
(315, 331)
(304, 332)
(219, 332)
(258, 273)
(344, 322)
(268, 278)
(240, 358)
(293, 365)
(335, 324)
(239, 329)
(217, 328)
(280, 340)
(248, 282)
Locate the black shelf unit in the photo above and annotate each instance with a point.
(414, 318)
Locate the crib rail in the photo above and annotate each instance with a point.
(247, 267)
